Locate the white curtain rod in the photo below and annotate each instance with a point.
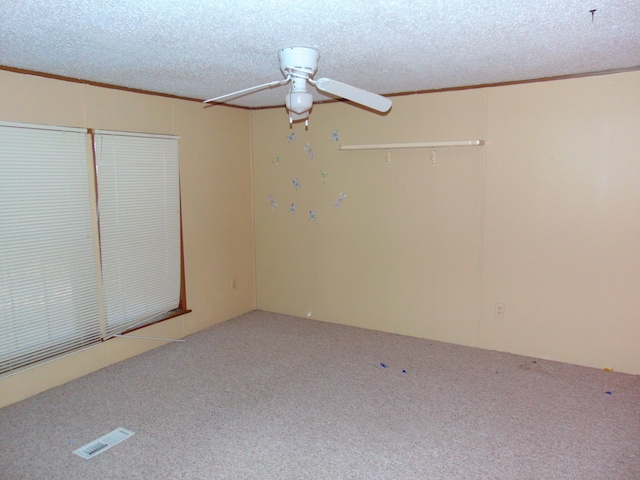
(389, 146)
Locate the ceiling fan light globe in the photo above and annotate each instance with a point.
(299, 102)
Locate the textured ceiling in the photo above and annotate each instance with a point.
(201, 49)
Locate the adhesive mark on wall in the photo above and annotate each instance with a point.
(312, 215)
(307, 148)
(277, 160)
(334, 135)
(292, 208)
(341, 198)
(291, 137)
(296, 183)
(324, 176)
(273, 202)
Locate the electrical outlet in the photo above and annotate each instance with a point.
(499, 311)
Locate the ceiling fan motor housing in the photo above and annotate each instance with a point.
(298, 61)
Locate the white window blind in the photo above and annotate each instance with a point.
(48, 273)
(139, 218)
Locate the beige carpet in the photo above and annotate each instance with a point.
(268, 396)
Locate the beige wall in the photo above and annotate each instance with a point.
(562, 221)
(215, 177)
(544, 219)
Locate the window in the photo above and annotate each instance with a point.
(63, 286)
(139, 215)
(48, 290)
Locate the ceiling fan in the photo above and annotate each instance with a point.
(299, 65)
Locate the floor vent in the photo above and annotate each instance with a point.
(103, 443)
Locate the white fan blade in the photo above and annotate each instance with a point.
(357, 95)
(246, 91)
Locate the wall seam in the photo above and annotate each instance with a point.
(481, 219)
(253, 213)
